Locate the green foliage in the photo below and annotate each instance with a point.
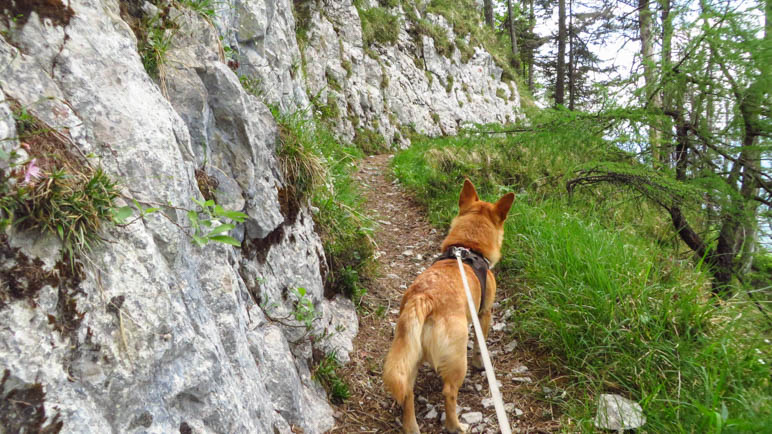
(252, 84)
(615, 307)
(25, 122)
(204, 8)
(332, 82)
(378, 25)
(341, 223)
(346, 64)
(46, 189)
(154, 41)
(423, 27)
(304, 311)
(327, 110)
(207, 223)
(370, 141)
(71, 205)
(325, 373)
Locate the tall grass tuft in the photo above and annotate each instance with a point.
(320, 168)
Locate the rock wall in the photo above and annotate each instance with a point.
(387, 87)
(152, 333)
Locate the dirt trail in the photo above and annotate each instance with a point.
(406, 244)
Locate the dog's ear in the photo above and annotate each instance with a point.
(468, 195)
(503, 205)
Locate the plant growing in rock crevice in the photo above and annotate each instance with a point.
(45, 186)
(378, 25)
(326, 374)
(326, 165)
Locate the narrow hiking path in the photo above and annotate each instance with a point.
(406, 245)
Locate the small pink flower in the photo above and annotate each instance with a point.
(32, 171)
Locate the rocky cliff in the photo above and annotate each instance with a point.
(150, 332)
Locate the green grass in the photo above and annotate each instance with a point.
(52, 190)
(153, 41)
(598, 285)
(325, 373)
(378, 25)
(370, 141)
(324, 176)
(253, 85)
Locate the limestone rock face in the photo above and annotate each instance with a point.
(408, 84)
(165, 336)
(152, 333)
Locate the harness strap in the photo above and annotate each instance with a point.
(477, 261)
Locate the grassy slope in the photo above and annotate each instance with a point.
(616, 311)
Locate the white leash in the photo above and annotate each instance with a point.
(501, 414)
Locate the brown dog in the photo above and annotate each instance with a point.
(434, 313)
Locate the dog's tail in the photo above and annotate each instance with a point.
(406, 350)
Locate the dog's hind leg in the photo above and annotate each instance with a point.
(485, 323)
(453, 371)
(409, 422)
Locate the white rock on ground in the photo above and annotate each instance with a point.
(618, 413)
(472, 417)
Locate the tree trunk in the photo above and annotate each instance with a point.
(647, 55)
(662, 155)
(512, 38)
(488, 11)
(531, 26)
(560, 73)
(571, 66)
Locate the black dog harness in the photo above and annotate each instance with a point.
(477, 261)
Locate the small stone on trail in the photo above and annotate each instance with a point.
(407, 252)
(510, 346)
(472, 417)
(618, 413)
(478, 387)
(522, 379)
(432, 414)
(392, 276)
(487, 402)
(422, 399)
(520, 369)
(499, 326)
(419, 257)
